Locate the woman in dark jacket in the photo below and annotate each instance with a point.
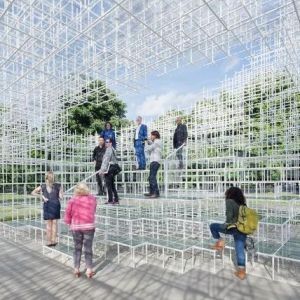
(234, 198)
(109, 133)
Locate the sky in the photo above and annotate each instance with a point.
(180, 88)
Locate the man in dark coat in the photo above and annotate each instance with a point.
(140, 137)
(179, 139)
(98, 154)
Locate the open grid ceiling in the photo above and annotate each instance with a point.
(52, 48)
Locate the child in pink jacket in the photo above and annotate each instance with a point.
(80, 215)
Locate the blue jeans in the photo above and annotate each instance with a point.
(239, 240)
(139, 147)
(154, 166)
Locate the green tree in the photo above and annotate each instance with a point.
(99, 105)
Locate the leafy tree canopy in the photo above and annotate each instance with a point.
(101, 105)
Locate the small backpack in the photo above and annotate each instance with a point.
(247, 221)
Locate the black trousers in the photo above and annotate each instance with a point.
(154, 166)
(180, 157)
(111, 188)
(101, 190)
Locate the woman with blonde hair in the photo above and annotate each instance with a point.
(80, 215)
(51, 193)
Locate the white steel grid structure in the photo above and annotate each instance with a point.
(246, 132)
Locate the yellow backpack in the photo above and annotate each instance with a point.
(248, 220)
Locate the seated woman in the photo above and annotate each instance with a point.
(80, 215)
(234, 197)
(51, 192)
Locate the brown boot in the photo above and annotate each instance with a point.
(240, 273)
(219, 245)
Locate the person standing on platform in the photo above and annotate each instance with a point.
(98, 154)
(153, 147)
(139, 143)
(179, 140)
(109, 133)
(51, 193)
(80, 215)
(109, 159)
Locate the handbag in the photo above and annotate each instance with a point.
(114, 169)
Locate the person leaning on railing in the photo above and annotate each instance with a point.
(153, 147)
(80, 215)
(51, 193)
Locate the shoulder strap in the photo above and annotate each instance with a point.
(113, 153)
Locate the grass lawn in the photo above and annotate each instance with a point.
(7, 213)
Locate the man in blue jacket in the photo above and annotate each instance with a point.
(139, 143)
